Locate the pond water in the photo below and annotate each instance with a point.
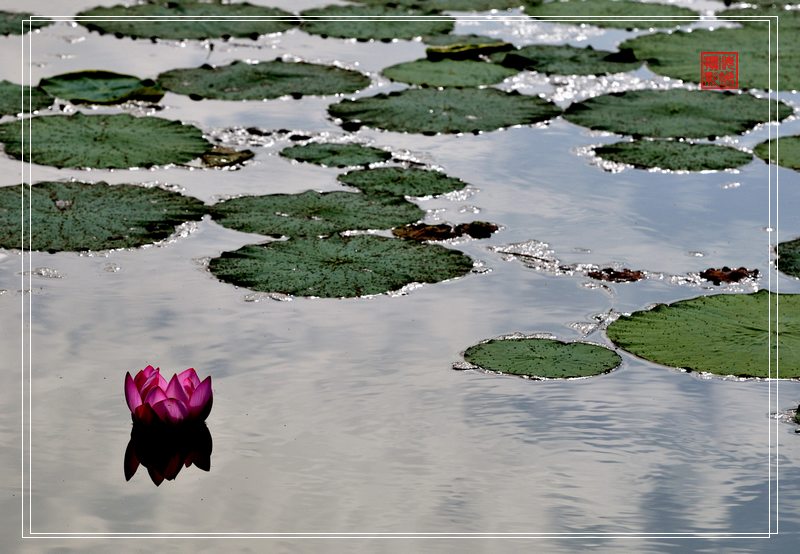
(345, 416)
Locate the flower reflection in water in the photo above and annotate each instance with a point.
(165, 450)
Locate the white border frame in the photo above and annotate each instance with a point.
(26, 494)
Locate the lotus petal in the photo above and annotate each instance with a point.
(155, 476)
(176, 391)
(189, 377)
(201, 400)
(131, 461)
(170, 410)
(144, 414)
(132, 395)
(143, 375)
(155, 395)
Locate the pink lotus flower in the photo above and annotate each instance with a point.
(184, 399)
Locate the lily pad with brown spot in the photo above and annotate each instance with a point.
(539, 358)
(443, 231)
(724, 334)
(101, 87)
(75, 216)
(336, 154)
(117, 141)
(338, 267)
(612, 275)
(374, 22)
(314, 213)
(675, 113)
(138, 21)
(724, 274)
(430, 111)
(262, 81)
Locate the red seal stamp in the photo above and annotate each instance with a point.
(719, 70)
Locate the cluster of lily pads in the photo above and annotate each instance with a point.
(327, 244)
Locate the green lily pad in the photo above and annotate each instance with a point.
(260, 81)
(337, 267)
(11, 23)
(542, 358)
(451, 5)
(448, 73)
(789, 257)
(83, 216)
(430, 111)
(568, 60)
(568, 10)
(463, 47)
(313, 213)
(101, 87)
(104, 141)
(789, 155)
(11, 102)
(725, 334)
(401, 181)
(131, 21)
(670, 154)
(674, 113)
(336, 155)
(677, 55)
(372, 29)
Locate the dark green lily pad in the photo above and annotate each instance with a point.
(101, 87)
(725, 334)
(11, 102)
(401, 181)
(568, 60)
(104, 141)
(83, 216)
(674, 113)
(674, 155)
(542, 358)
(430, 111)
(566, 12)
(313, 213)
(11, 23)
(373, 29)
(448, 73)
(789, 257)
(677, 55)
(463, 47)
(337, 267)
(130, 20)
(336, 155)
(260, 81)
(789, 155)
(451, 5)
